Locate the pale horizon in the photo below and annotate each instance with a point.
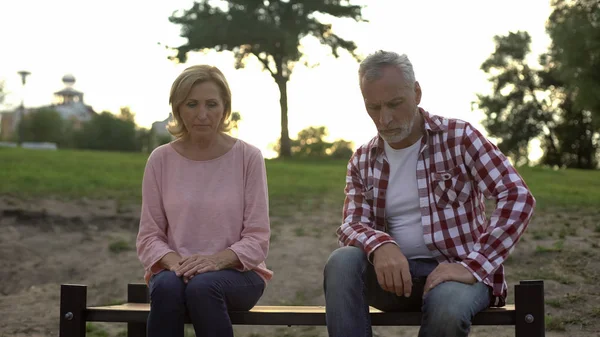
(113, 52)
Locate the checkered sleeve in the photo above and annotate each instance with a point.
(358, 223)
(497, 179)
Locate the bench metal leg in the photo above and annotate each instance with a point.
(529, 309)
(137, 293)
(73, 302)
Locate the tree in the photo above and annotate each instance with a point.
(43, 125)
(527, 104)
(2, 92)
(574, 27)
(234, 122)
(126, 114)
(144, 140)
(269, 30)
(108, 132)
(311, 143)
(341, 149)
(519, 108)
(575, 137)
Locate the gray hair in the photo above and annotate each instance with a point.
(370, 68)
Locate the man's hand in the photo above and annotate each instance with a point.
(392, 270)
(448, 272)
(196, 264)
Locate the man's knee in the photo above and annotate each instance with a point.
(450, 306)
(343, 263)
(166, 286)
(447, 318)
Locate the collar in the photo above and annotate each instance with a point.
(431, 123)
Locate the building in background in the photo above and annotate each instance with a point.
(7, 124)
(159, 134)
(159, 128)
(68, 102)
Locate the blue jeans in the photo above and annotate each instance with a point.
(206, 298)
(351, 287)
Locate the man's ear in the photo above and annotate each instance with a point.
(418, 93)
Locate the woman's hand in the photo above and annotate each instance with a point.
(170, 261)
(196, 264)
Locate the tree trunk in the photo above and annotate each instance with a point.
(281, 79)
(284, 146)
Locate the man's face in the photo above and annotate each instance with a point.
(392, 104)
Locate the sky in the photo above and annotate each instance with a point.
(112, 48)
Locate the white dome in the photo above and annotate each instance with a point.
(68, 79)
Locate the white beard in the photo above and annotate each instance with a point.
(403, 131)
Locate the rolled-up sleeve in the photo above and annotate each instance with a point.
(357, 228)
(499, 180)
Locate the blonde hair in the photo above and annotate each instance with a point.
(181, 89)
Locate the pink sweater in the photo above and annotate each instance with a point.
(203, 207)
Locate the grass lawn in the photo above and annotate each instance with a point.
(73, 174)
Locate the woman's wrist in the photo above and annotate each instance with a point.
(170, 261)
(227, 259)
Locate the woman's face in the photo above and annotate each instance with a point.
(202, 111)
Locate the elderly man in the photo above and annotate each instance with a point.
(414, 233)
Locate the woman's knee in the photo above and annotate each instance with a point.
(224, 288)
(166, 286)
(203, 286)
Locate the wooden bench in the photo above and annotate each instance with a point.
(526, 315)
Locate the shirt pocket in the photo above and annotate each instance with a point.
(451, 188)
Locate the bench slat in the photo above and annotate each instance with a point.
(292, 315)
(260, 308)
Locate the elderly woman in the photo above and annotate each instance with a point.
(204, 228)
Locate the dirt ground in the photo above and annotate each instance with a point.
(45, 243)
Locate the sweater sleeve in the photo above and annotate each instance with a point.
(151, 241)
(253, 247)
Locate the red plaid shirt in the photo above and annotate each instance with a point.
(457, 168)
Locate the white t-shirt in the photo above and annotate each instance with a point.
(402, 207)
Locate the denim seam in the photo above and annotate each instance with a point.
(365, 300)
